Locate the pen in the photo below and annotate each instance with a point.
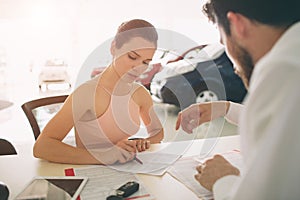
(138, 160)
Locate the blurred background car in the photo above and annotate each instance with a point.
(54, 71)
(203, 73)
(146, 78)
(97, 70)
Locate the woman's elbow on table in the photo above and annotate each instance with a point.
(41, 148)
(37, 149)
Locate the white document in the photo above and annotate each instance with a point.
(185, 169)
(103, 181)
(155, 163)
(234, 156)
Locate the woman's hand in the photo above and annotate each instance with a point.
(112, 155)
(141, 144)
(127, 145)
(197, 114)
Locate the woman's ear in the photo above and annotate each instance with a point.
(113, 48)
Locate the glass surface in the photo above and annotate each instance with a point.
(45, 113)
(53, 188)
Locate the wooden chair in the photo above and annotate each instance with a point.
(46, 104)
(6, 148)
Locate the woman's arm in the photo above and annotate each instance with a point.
(149, 117)
(49, 145)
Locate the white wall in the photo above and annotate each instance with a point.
(32, 31)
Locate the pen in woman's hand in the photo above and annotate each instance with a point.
(138, 160)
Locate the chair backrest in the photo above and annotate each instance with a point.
(6, 148)
(50, 105)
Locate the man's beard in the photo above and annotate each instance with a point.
(245, 62)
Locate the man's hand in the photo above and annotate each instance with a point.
(214, 169)
(197, 114)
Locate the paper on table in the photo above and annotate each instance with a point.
(234, 156)
(153, 163)
(103, 181)
(185, 169)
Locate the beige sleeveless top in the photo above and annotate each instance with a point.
(120, 121)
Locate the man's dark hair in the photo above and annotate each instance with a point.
(278, 13)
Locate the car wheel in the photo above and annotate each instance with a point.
(206, 96)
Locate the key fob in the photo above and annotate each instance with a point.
(114, 197)
(127, 189)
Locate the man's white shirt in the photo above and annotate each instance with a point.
(269, 125)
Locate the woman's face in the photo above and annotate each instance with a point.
(133, 58)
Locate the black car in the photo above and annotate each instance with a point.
(209, 81)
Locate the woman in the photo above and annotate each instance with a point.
(106, 110)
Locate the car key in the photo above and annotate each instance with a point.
(127, 189)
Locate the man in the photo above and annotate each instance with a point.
(262, 38)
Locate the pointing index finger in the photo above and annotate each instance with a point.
(178, 121)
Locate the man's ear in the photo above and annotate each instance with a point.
(113, 48)
(239, 24)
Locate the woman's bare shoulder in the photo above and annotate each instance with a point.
(141, 95)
